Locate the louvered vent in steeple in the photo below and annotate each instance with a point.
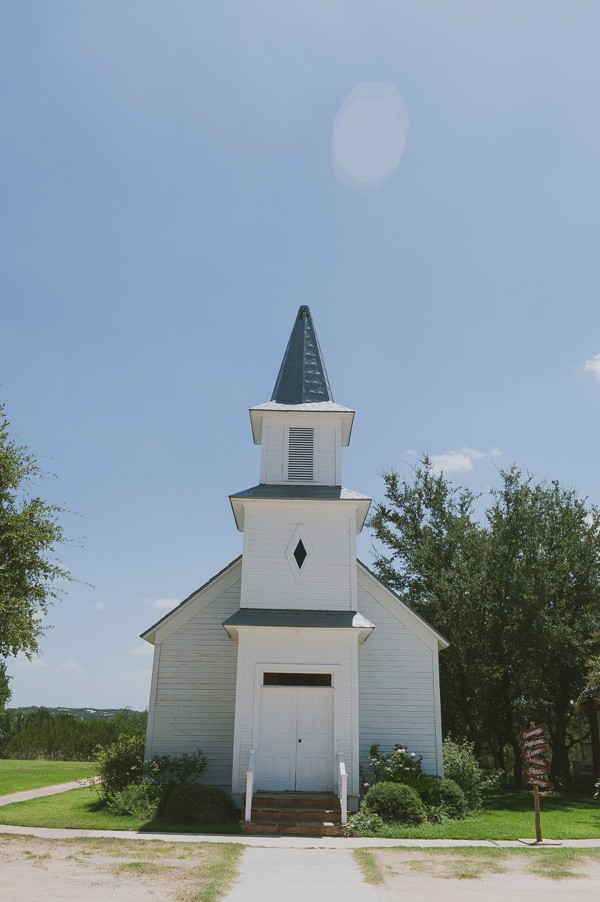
(301, 441)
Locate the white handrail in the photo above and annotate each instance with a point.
(249, 786)
(343, 788)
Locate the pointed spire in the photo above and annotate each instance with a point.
(302, 376)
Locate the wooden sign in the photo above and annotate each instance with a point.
(540, 782)
(538, 744)
(537, 762)
(534, 743)
(532, 732)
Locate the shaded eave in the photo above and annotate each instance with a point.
(258, 413)
(283, 618)
(150, 634)
(442, 642)
(299, 492)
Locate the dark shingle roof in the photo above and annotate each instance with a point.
(302, 376)
(277, 491)
(298, 618)
(296, 492)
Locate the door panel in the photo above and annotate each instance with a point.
(296, 740)
(314, 758)
(277, 750)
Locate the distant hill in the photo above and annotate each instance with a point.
(78, 713)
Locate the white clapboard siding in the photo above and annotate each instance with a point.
(325, 580)
(295, 650)
(398, 694)
(327, 444)
(195, 689)
(272, 454)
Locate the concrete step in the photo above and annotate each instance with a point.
(295, 800)
(294, 814)
(304, 828)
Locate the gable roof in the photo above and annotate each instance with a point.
(441, 641)
(302, 376)
(150, 633)
(278, 492)
(315, 618)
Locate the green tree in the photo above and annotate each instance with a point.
(5, 692)
(433, 557)
(543, 577)
(516, 592)
(29, 533)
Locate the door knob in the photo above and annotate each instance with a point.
(299, 740)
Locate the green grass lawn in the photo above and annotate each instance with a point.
(16, 776)
(509, 815)
(81, 809)
(503, 815)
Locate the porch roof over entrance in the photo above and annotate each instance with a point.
(299, 619)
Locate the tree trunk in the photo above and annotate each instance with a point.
(517, 762)
(560, 769)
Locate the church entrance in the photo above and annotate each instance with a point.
(295, 751)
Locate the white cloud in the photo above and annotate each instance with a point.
(70, 666)
(54, 665)
(452, 462)
(33, 664)
(164, 604)
(100, 606)
(593, 366)
(460, 461)
(142, 650)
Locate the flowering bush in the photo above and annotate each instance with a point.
(363, 823)
(399, 766)
(460, 765)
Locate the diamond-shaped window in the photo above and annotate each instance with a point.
(300, 554)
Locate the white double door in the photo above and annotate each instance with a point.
(296, 739)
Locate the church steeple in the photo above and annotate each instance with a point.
(302, 376)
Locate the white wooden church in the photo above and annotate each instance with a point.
(291, 661)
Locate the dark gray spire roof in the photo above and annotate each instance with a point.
(302, 376)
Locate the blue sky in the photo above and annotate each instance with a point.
(178, 177)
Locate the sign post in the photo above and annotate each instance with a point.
(534, 745)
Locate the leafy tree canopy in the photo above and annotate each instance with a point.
(5, 693)
(516, 592)
(29, 532)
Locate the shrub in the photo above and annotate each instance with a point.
(139, 799)
(493, 780)
(120, 764)
(399, 766)
(437, 814)
(198, 804)
(460, 765)
(441, 794)
(166, 770)
(363, 823)
(395, 802)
